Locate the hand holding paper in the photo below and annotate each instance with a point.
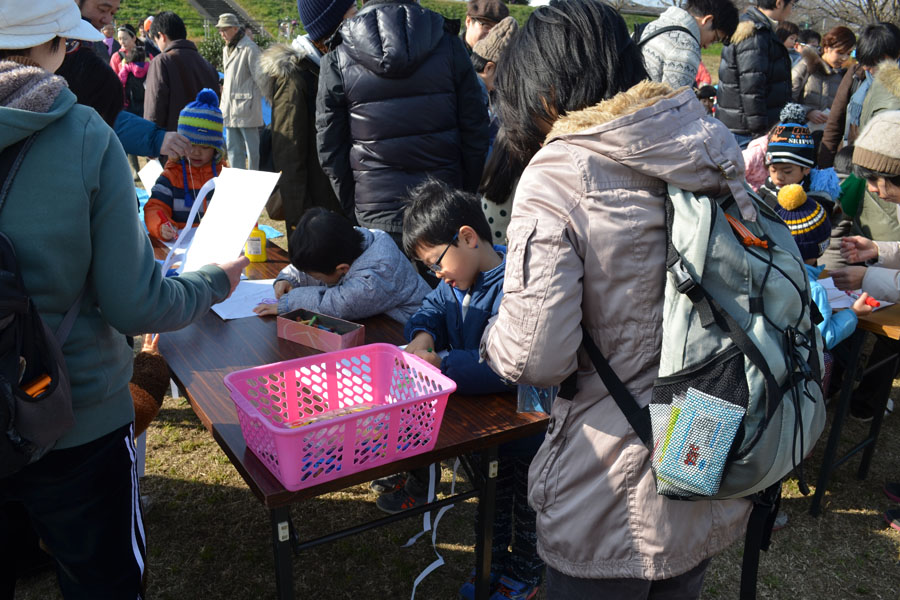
(233, 269)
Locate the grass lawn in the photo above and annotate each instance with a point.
(209, 536)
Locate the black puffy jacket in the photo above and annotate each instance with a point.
(754, 77)
(398, 100)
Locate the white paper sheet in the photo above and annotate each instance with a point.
(838, 299)
(150, 173)
(240, 197)
(246, 296)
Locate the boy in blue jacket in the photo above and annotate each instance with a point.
(447, 231)
(443, 230)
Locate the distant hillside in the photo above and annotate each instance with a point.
(135, 11)
(269, 12)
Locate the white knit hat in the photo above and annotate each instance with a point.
(876, 147)
(30, 24)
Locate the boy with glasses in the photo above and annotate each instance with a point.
(446, 230)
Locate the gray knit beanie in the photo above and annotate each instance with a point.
(492, 45)
(876, 147)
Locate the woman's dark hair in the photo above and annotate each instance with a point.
(843, 161)
(570, 54)
(724, 13)
(129, 29)
(839, 38)
(93, 83)
(435, 212)
(323, 240)
(6, 53)
(877, 42)
(786, 29)
(501, 172)
(478, 63)
(869, 175)
(168, 23)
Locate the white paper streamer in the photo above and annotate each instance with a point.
(180, 242)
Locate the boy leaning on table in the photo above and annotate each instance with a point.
(345, 272)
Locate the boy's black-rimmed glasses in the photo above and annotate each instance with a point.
(436, 265)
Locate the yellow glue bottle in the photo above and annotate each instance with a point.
(255, 248)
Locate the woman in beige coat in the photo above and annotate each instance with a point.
(587, 244)
(241, 97)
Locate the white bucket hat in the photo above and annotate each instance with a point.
(228, 20)
(30, 24)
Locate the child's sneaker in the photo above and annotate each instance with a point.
(467, 591)
(781, 521)
(510, 589)
(389, 484)
(399, 500)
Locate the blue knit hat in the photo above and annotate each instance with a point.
(791, 141)
(807, 220)
(201, 121)
(321, 17)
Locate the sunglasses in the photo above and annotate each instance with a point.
(72, 46)
(436, 265)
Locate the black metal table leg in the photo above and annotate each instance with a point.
(884, 392)
(837, 425)
(281, 545)
(485, 524)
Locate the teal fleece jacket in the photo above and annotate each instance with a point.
(73, 221)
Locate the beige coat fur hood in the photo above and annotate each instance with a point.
(587, 244)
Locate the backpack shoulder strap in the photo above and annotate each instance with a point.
(10, 160)
(662, 30)
(638, 418)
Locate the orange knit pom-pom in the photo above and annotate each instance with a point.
(792, 196)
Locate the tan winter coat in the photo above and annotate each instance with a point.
(587, 243)
(241, 102)
(814, 84)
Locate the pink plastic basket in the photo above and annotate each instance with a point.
(407, 395)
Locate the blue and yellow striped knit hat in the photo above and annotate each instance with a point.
(807, 220)
(201, 121)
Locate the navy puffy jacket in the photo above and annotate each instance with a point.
(754, 77)
(398, 100)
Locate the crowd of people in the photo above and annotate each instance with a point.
(496, 186)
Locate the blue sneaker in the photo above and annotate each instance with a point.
(510, 589)
(467, 591)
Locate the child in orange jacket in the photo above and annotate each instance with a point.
(176, 188)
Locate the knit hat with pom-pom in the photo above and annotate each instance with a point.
(201, 121)
(790, 140)
(807, 220)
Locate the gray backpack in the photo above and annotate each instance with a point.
(738, 401)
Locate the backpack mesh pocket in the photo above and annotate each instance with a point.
(722, 376)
